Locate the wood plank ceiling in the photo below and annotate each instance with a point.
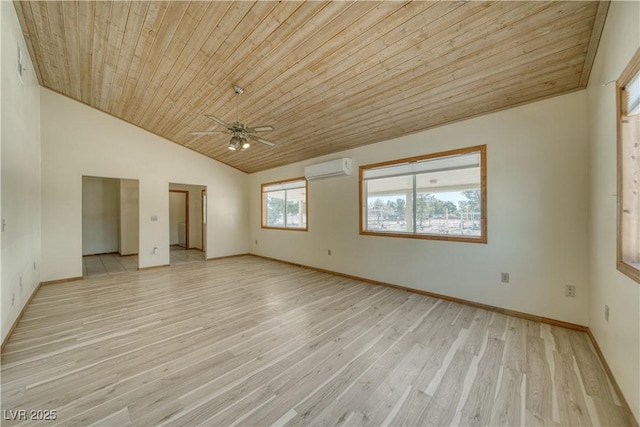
(327, 75)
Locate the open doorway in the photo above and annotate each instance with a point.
(187, 223)
(110, 225)
(179, 218)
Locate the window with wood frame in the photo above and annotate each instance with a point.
(439, 196)
(284, 204)
(628, 91)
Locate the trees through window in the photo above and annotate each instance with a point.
(439, 196)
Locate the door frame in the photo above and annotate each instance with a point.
(203, 199)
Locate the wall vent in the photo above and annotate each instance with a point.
(337, 167)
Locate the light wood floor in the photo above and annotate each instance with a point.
(180, 255)
(108, 264)
(247, 341)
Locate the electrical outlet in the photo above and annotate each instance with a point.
(256, 242)
(4, 224)
(504, 277)
(329, 252)
(34, 265)
(155, 250)
(154, 218)
(606, 313)
(13, 299)
(20, 281)
(570, 291)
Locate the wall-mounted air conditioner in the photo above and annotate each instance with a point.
(335, 167)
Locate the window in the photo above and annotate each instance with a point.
(438, 196)
(284, 204)
(628, 89)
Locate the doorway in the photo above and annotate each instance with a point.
(110, 225)
(179, 218)
(187, 223)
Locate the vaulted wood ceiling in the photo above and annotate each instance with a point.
(327, 75)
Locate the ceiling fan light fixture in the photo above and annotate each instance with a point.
(245, 144)
(234, 143)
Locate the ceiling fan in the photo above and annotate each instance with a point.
(240, 132)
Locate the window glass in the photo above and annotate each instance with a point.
(284, 204)
(629, 171)
(435, 196)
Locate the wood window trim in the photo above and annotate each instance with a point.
(263, 210)
(482, 149)
(632, 68)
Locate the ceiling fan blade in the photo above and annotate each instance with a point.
(217, 120)
(208, 132)
(264, 141)
(260, 128)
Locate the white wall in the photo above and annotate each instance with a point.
(78, 140)
(20, 171)
(129, 217)
(537, 215)
(619, 338)
(100, 215)
(195, 212)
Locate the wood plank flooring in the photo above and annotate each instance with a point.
(249, 341)
(180, 255)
